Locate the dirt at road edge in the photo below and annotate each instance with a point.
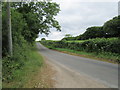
(55, 75)
(43, 78)
(66, 78)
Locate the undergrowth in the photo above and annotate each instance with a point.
(19, 68)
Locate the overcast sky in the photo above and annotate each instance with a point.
(77, 15)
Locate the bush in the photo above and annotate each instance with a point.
(98, 45)
(15, 62)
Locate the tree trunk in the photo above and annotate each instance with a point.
(9, 29)
(0, 30)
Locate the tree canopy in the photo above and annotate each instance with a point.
(68, 37)
(43, 39)
(39, 17)
(93, 32)
(28, 20)
(110, 28)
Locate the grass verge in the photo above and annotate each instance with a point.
(27, 73)
(107, 57)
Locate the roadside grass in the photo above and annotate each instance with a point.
(103, 56)
(104, 49)
(27, 72)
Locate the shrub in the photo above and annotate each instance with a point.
(93, 45)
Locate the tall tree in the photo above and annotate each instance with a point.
(0, 30)
(39, 17)
(9, 29)
(112, 27)
(93, 32)
(28, 20)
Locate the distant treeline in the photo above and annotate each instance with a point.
(110, 28)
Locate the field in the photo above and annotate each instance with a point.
(106, 48)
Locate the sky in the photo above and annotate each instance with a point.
(77, 15)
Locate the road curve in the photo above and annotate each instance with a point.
(103, 72)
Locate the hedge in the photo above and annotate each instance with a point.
(97, 45)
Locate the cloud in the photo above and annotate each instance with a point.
(76, 16)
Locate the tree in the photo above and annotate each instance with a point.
(0, 30)
(43, 39)
(69, 37)
(9, 29)
(79, 37)
(39, 17)
(112, 27)
(28, 20)
(93, 32)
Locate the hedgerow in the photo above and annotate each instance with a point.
(98, 45)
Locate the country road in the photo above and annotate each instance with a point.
(103, 72)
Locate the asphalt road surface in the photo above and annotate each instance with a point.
(103, 72)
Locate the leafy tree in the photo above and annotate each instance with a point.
(18, 25)
(69, 37)
(79, 37)
(28, 20)
(93, 32)
(112, 27)
(39, 17)
(43, 39)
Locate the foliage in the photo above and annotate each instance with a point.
(69, 38)
(110, 28)
(43, 39)
(17, 27)
(39, 17)
(108, 57)
(93, 32)
(28, 20)
(12, 63)
(98, 45)
(15, 73)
